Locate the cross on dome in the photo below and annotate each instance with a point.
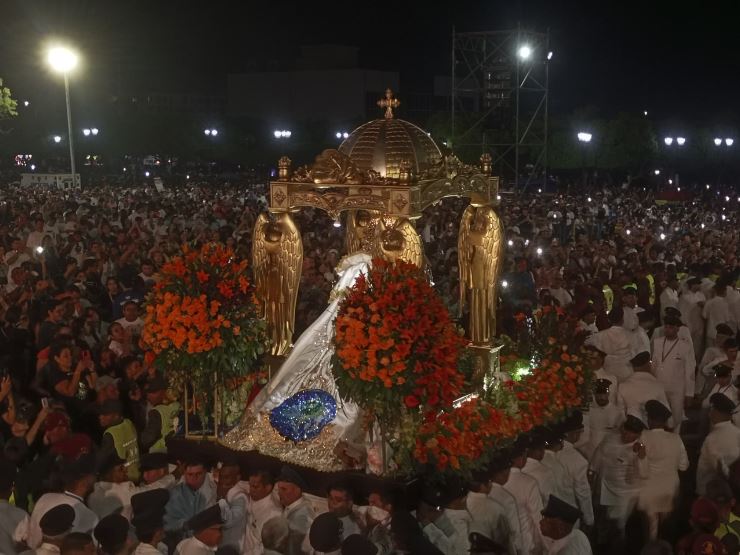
(389, 103)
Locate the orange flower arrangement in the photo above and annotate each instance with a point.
(547, 385)
(395, 344)
(201, 318)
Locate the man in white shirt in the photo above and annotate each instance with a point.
(112, 493)
(559, 293)
(716, 311)
(297, 510)
(148, 520)
(261, 507)
(500, 469)
(536, 468)
(78, 478)
(54, 526)
(620, 463)
(488, 517)
(721, 447)
(630, 308)
(615, 342)
(674, 364)
(131, 320)
(577, 466)
(691, 304)
(669, 295)
(525, 490)
(207, 533)
(587, 322)
(640, 387)
(683, 330)
(666, 456)
(559, 534)
(602, 417)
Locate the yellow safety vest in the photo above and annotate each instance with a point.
(608, 297)
(126, 442)
(651, 282)
(168, 416)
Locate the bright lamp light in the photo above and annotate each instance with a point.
(86, 132)
(585, 137)
(717, 141)
(57, 139)
(525, 51)
(62, 59)
(668, 141)
(681, 141)
(729, 141)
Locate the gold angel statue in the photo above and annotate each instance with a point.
(361, 230)
(277, 257)
(480, 257)
(397, 239)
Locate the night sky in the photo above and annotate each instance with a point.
(673, 59)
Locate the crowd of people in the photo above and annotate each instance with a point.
(84, 419)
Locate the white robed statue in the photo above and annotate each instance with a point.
(299, 416)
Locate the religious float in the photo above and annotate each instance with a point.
(383, 382)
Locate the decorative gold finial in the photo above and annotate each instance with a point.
(389, 103)
(486, 163)
(284, 168)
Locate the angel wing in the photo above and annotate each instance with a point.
(463, 260)
(352, 240)
(259, 260)
(413, 250)
(493, 245)
(291, 264)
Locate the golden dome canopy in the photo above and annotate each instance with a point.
(383, 144)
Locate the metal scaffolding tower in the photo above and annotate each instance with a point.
(499, 100)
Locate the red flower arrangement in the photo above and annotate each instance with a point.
(395, 343)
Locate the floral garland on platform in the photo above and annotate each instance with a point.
(202, 325)
(462, 439)
(396, 347)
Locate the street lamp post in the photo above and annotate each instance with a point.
(63, 60)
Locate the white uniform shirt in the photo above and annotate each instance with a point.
(716, 311)
(720, 449)
(597, 422)
(85, 520)
(146, 549)
(193, 546)
(674, 363)
(575, 543)
(620, 470)
(669, 297)
(691, 310)
(544, 476)
(259, 512)
(602, 374)
(525, 490)
(631, 322)
(666, 455)
(13, 527)
(300, 515)
(577, 468)
(562, 484)
(638, 389)
(488, 518)
(511, 512)
(108, 498)
(683, 333)
(615, 342)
